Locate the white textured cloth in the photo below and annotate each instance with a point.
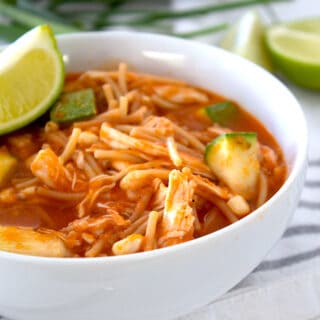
(286, 285)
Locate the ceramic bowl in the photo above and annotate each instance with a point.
(166, 283)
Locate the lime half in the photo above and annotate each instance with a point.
(31, 78)
(295, 51)
(246, 38)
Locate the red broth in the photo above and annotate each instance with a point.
(26, 200)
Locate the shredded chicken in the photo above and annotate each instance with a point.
(178, 221)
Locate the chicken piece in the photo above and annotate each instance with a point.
(29, 242)
(94, 235)
(161, 126)
(47, 167)
(268, 157)
(140, 178)
(130, 244)
(209, 187)
(177, 223)
(239, 205)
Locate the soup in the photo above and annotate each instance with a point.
(128, 162)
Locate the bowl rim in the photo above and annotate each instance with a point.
(298, 165)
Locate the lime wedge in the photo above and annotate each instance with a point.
(31, 78)
(307, 25)
(246, 38)
(295, 50)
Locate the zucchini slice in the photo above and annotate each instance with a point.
(233, 158)
(74, 106)
(222, 113)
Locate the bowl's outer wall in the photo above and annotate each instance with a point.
(165, 283)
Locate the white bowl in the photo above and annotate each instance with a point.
(169, 282)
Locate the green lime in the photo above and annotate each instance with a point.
(31, 78)
(246, 38)
(295, 50)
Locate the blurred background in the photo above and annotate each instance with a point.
(203, 19)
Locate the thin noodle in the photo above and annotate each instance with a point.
(56, 139)
(113, 104)
(123, 106)
(126, 155)
(150, 237)
(87, 237)
(137, 133)
(28, 191)
(74, 180)
(192, 140)
(116, 90)
(210, 187)
(142, 204)
(59, 195)
(78, 157)
(107, 90)
(126, 128)
(71, 146)
(89, 171)
(97, 247)
(171, 235)
(87, 203)
(225, 210)
(93, 163)
(135, 225)
(112, 136)
(173, 152)
(26, 183)
(122, 80)
(164, 104)
(141, 229)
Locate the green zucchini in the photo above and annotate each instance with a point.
(222, 112)
(233, 158)
(74, 106)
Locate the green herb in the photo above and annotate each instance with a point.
(22, 15)
(54, 4)
(202, 32)
(41, 11)
(11, 32)
(177, 14)
(30, 19)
